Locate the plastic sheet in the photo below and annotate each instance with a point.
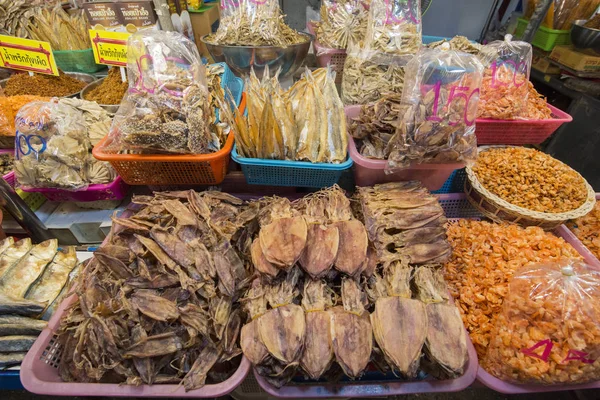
(442, 92)
(548, 331)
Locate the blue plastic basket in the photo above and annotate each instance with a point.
(290, 173)
(232, 85)
(454, 184)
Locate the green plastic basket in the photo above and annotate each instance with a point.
(545, 38)
(77, 61)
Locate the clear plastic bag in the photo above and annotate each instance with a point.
(505, 86)
(376, 66)
(549, 329)
(441, 91)
(167, 107)
(342, 22)
(51, 146)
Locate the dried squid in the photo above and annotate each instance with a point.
(318, 353)
(351, 332)
(399, 322)
(256, 306)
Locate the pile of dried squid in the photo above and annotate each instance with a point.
(321, 273)
(306, 123)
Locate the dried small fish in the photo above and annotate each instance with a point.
(16, 325)
(17, 280)
(351, 332)
(342, 22)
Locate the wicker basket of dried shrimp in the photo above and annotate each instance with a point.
(526, 187)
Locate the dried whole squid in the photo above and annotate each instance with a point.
(352, 252)
(256, 305)
(321, 249)
(283, 240)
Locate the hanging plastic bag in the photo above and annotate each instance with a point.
(168, 106)
(505, 86)
(549, 329)
(442, 93)
(342, 22)
(51, 146)
(253, 23)
(376, 67)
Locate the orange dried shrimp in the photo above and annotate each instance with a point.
(484, 257)
(587, 229)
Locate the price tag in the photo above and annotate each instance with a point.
(27, 55)
(110, 48)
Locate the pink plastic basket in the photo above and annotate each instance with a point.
(456, 205)
(116, 190)
(328, 56)
(39, 373)
(368, 172)
(519, 132)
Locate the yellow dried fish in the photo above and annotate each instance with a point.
(311, 119)
(6, 243)
(271, 137)
(335, 146)
(50, 284)
(13, 254)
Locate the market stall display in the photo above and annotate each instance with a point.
(375, 66)
(516, 184)
(108, 91)
(61, 30)
(33, 279)
(587, 229)
(173, 268)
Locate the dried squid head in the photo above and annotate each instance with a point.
(397, 279)
(446, 342)
(318, 353)
(283, 328)
(351, 332)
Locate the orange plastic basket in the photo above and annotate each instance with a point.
(169, 169)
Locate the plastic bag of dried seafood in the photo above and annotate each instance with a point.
(342, 22)
(51, 147)
(505, 84)
(376, 66)
(442, 92)
(549, 329)
(168, 105)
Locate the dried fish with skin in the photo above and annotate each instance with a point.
(19, 278)
(342, 22)
(400, 323)
(56, 275)
(17, 325)
(16, 343)
(334, 143)
(8, 360)
(311, 121)
(20, 306)
(13, 254)
(5, 244)
(351, 332)
(318, 355)
(282, 329)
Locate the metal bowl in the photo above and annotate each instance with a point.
(87, 78)
(241, 59)
(585, 38)
(110, 108)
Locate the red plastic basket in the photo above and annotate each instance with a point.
(368, 172)
(456, 205)
(115, 190)
(39, 373)
(328, 56)
(519, 132)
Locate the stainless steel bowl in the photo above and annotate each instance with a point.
(87, 78)
(241, 59)
(585, 38)
(110, 108)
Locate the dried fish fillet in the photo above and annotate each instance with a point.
(13, 254)
(16, 325)
(352, 251)
(283, 240)
(16, 343)
(6, 243)
(321, 250)
(18, 306)
(54, 278)
(17, 280)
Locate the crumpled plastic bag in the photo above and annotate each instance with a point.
(505, 86)
(342, 22)
(167, 107)
(441, 90)
(549, 329)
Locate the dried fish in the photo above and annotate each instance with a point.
(8, 360)
(54, 278)
(342, 22)
(13, 254)
(16, 325)
(351, 332)
(17, 280)
(18, 306)
(16, 343)
(6, 243)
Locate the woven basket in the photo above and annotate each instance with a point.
(499, 210)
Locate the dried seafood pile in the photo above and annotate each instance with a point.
(15, 16)
(110, 91)
(306, 123)
(587, 229)
(319, 299)
(54, 143)
(252, 23)
(342, 22)
(439, 126)
(158, 304)
(405, 221)
(62, 30)
(375, 67)
(458, 43)
(43, 85)
(171, 108)
(33, 281)
(6, 163)
(376, 124)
